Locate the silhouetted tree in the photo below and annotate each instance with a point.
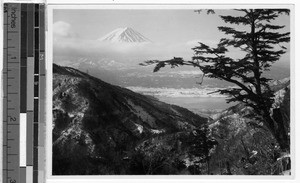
(253, 34)
(201, 143)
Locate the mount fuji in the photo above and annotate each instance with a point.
(124, 35)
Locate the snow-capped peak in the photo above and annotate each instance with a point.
(126, 35)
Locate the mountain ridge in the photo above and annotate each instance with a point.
(124, 35)
(94, 121)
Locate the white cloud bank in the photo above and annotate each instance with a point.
(62, 29)
(66, 44)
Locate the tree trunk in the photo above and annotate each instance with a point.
(276, 125)
(208, 168)
(228, 168)
(281, 132)
(278, 129)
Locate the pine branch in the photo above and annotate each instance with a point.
(260, 39)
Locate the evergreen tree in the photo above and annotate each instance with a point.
(201, 143)
(260, 40)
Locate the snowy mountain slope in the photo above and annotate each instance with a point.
(244, 140)
(96, 125)
(124, 35)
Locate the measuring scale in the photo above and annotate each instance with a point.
(24, 93)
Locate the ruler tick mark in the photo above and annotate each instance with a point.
(13, 54)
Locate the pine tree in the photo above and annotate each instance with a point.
(260, 40)
(201, 143)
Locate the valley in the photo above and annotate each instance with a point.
(98, 122)
(134, 92)
(100, 129)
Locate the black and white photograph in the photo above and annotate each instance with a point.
(171, 91)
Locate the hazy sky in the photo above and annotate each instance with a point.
(175, 31)
(157, 25)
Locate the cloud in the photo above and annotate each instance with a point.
(74, 47)
(68, 45)
(63, 29)
(77, 47)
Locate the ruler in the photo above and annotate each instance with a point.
(24, 93)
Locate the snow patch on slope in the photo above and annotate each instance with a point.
(127, 35)
(139, 127)
(153, 131)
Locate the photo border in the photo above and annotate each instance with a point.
(124, 178)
